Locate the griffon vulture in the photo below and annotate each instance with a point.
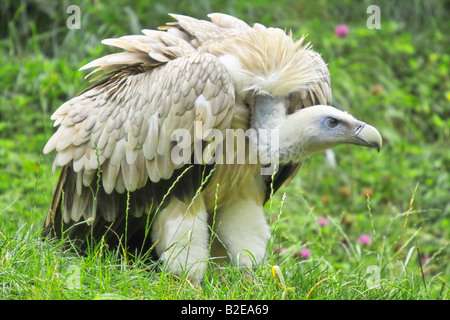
(122, 181)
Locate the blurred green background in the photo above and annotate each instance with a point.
(395, 78)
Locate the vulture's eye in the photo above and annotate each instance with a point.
(332, 122)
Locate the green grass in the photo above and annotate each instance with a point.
(32, 269)
(395, 78)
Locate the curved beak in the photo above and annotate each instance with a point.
(367, 136)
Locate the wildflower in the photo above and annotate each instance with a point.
(365, 239)
(325, 199)
(341, 30)
(305, 254)
(345, 191)
(322, 221)
(278, 250)
(367, 193)
(377, 89)
(424, 259)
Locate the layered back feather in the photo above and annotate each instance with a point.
(185, 37)
(260, 59)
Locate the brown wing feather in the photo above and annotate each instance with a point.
(116, 218)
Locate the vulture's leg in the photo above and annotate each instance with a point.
(244, 232)
(181, 234)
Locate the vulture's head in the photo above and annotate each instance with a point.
(307, 130)
(314, 129)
